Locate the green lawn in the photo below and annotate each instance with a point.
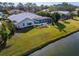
(25, 41)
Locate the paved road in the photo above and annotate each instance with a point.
(64, 47)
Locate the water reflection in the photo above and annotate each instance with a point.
(65, 47)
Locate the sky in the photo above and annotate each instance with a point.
(52, 3)
(44, 2)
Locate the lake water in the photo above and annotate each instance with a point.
(68, 46)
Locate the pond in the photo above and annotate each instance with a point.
(68, 46)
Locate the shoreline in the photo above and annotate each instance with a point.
(47, 43)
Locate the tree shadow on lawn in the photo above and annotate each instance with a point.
(3, 46)
(66, 22)
(24, 30)
(60, 26)
(76, 19)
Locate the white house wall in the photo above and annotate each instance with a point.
(20, 25)
(40, 23)
(26, 21)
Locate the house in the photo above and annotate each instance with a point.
(64, 14)
(47, 10)
(14, 11)
(27, 19)
(76, 11)
(2, 15)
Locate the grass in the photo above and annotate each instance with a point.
(25, 41)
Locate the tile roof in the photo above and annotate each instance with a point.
(22, 16)
(19, 17)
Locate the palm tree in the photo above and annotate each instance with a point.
(0, 3)
(11, 5)
(33, 7)
(20, 6)
(5, 5)
(1, 7)
(28, 6)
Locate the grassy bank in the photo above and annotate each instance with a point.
(26, 41)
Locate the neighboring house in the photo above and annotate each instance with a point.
(2, 15)
(64, 14)
(47, 10)
(77, 9)
(27, 19)
(15, 11)
(75, 12)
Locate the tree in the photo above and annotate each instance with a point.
(31, 7)
(55, 17)
(52, 8)
(43, 13)
(43, 7)
(11, 5)
(78, 13)
(11, 27)
(1, 7)
(34, 7)
(5, 5)
(20, 6)
(4, 33)
(28, 6)
(72, 15)
(65, 7)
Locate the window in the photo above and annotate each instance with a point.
(42, 21)
(23, 24)
(14, 21)
(36, 22)
(29, 23)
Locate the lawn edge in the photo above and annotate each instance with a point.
(47, 43)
